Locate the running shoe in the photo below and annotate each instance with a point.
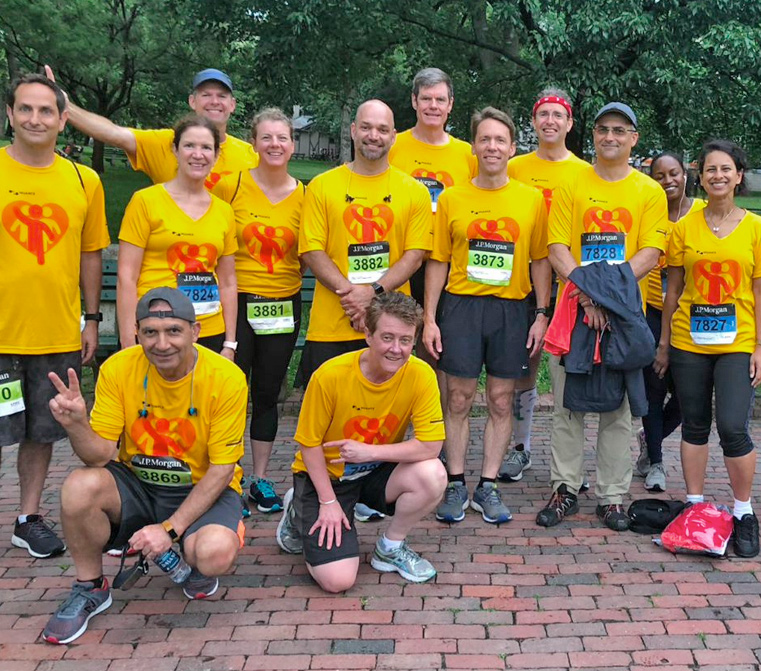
(262, 493)
(405, 561)
(69, 622)
(452, 508)
(199, 586)
(487, 500)
(287, 534)
(517, 461)
(37, 537)
(363, 513)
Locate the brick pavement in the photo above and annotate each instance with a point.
(511, 597)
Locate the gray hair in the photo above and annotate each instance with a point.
(428, 77)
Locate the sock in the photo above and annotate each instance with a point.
(459, 477)
(742, 508)
(694, 498)
(484, 480)
(387, 545)
(22, 519)
(97, 582)
(523, 416)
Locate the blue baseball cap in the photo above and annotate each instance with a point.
(212, 75)
(618, 108)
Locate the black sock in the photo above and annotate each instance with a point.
(459, 477)
(483, 480)
(97, 582)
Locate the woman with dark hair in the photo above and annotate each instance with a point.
(710, 331)
(663, 415)
(177, 234)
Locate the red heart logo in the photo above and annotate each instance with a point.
(598, 220)
(268, 244)
(186, 257)
(160, 437)
(441, 176)
(504, 229)
(716, 280)
(37, 228)
(368, 224)
(371, 430)
(211, 181)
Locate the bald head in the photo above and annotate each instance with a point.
(374, 107)
(373, 134)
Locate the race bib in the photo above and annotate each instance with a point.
(166, 471)
(435, 188)
(490, 262)
(713, 324)
(610, 247)
(11, 398)
(202, 290)
(368, 262)
(357, 471)
(268, 316)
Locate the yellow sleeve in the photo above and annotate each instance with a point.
(561, 216)
(427, 418)
(539, 249)
(107, 418)
(231, 240)
(95, 231)
(228, 421)
(675, 254)
(154, 154)
(757, 249)
(136, 228)
(442, 239)
(316, 414)
(419, 233)
(654, 222)
(313, 231)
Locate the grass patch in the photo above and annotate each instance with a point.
(752, 202)
(119, 183)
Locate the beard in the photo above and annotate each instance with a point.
(372, 152)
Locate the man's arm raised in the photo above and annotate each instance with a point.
(98, 127)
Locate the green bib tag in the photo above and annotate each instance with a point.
(490, 262)
(165, 471)
(268, 316)
(368, 262)
(11, 398)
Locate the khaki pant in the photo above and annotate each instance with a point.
(614, 462)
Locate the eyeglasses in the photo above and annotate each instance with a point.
(618, 131)
(554, 115)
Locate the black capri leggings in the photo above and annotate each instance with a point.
(695, 378)
(264, 359)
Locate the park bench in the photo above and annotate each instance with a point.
(112, 156)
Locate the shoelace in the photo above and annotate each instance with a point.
(613, 508)
(560, 502)
(746, 531)
(77, 601)
(493, 496)
(407, 555)
(266, 487)
(514, 458)
(39, 528)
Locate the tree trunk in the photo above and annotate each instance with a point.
(345, 150)
(97, 157)
(13, 71)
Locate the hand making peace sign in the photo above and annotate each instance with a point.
(68, 406)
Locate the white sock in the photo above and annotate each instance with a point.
(694, 498)
(742, 508)
(22, 519)
(387, 545)
(523, 416)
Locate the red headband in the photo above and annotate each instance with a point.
(553, 99)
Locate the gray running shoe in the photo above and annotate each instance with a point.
(643, 460)
(515, 463)
(287, 534)
(69, 622)
(487, 500)
(363, 513)
(656, 479)
(452, 508)
(199, 586)
(405, 561)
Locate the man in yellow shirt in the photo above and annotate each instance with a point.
(150, 151)
(53, 230)
(365, 228)
(613, 212)
(352, 448)
(545, 169)
(160, 454)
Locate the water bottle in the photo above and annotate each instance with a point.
(174, 566)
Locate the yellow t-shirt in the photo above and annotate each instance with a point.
(214, 435)
(155, 158)
(656, 279)
(180, 251)
(340, 402)
(609, 221)
(489, 236)
(267, 260)
(49, 217)
(364, 224)
(715, 313)
(544, 175)
(438, 167)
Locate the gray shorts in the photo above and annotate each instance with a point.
(35, 423)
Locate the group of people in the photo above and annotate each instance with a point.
(422, 242)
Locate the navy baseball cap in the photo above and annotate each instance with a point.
(212, 75)
(180, 304)
(618, 108)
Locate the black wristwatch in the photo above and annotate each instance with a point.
(93, 316)
(540, 311)
(378, 288)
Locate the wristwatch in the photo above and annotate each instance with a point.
(230, 344)
(170, 530)
(93, 316)
(378, 288)
(540, 311)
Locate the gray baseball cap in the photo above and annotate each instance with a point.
(618, 108)
(182, 307)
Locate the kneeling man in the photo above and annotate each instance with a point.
(161, 453)
(351, 432)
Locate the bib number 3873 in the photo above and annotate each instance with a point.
(490, 262)
(11, 397)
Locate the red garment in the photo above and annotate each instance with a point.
(557, 339)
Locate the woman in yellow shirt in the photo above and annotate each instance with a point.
(267, 204)
(177, 234)
(710, 330)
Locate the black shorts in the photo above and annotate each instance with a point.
(213, 342)
(35, 423)
(317, 353)
(479, 331)
(144, 504)
(370, 490)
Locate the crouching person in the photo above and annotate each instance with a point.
(161, 453)
(351, 434)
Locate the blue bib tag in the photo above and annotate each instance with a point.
(713, 324)
(610, 247)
